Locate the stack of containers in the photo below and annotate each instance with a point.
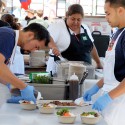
(37, 58)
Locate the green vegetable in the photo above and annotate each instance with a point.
(89, 113)
(62, 111)
(42, 79)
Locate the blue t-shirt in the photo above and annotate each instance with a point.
(7, 42)
(119, 69)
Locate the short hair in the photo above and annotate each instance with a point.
(75, 9)
(40, 32)
(116, 3)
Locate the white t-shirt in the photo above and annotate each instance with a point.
(61, 37)
(60, 34)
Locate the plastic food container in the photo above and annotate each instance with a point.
(90, 120)
(67, 119)
(27, 105)
(47, 110)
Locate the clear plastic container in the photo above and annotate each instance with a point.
(78, 69)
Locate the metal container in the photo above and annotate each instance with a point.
(52, 91)
(37, 58)
(63, 69)
(76, 68)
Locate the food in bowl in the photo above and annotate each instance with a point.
(90, 118)
(47, 108)
(59, 103)
(26, 102)
(90, 114)
(27, 105)
(65, 116)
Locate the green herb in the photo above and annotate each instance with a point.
(62, 111)
(42, 79)
(89, 113)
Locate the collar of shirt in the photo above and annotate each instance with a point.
(81, 31)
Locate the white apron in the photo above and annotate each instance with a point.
(17, 62)
(51, 65)
(114, 113)
(5, 94)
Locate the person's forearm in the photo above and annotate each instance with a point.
(95, 55)
(119, 90)
(3, 82)
(54, 48)
(100, 83)
(7, 76)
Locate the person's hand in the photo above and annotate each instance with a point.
(102, 102)
(26, 94)
(55, 51)
(88, 94)
(14, 99)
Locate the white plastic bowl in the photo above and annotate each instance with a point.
(47, 110)
(90, 120)
(28, 106)
(67, 119)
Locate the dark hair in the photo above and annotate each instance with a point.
(27, 18)
(116, 3)
(2, 24)
(45, 18)
(40, 32)
(9, 19)
(75, 9)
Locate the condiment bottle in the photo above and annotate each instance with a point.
(73, 87)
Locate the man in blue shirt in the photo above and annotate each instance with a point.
(31, 38)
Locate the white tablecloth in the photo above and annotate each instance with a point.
(12, 114)
(4, 94)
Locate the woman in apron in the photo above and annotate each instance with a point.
(73, 39)
(112, 102)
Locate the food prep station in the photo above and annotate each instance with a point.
(13, 114)
(55, 91)
(59, 87)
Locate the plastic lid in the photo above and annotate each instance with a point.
(74, 77)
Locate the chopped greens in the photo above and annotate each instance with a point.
(42, 79)
(62, 111)
(89, 113)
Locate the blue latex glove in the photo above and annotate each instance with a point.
(88, 94)
(26, 94)
(14, 99)
(102, 102)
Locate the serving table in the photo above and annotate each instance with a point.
(13, 114)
